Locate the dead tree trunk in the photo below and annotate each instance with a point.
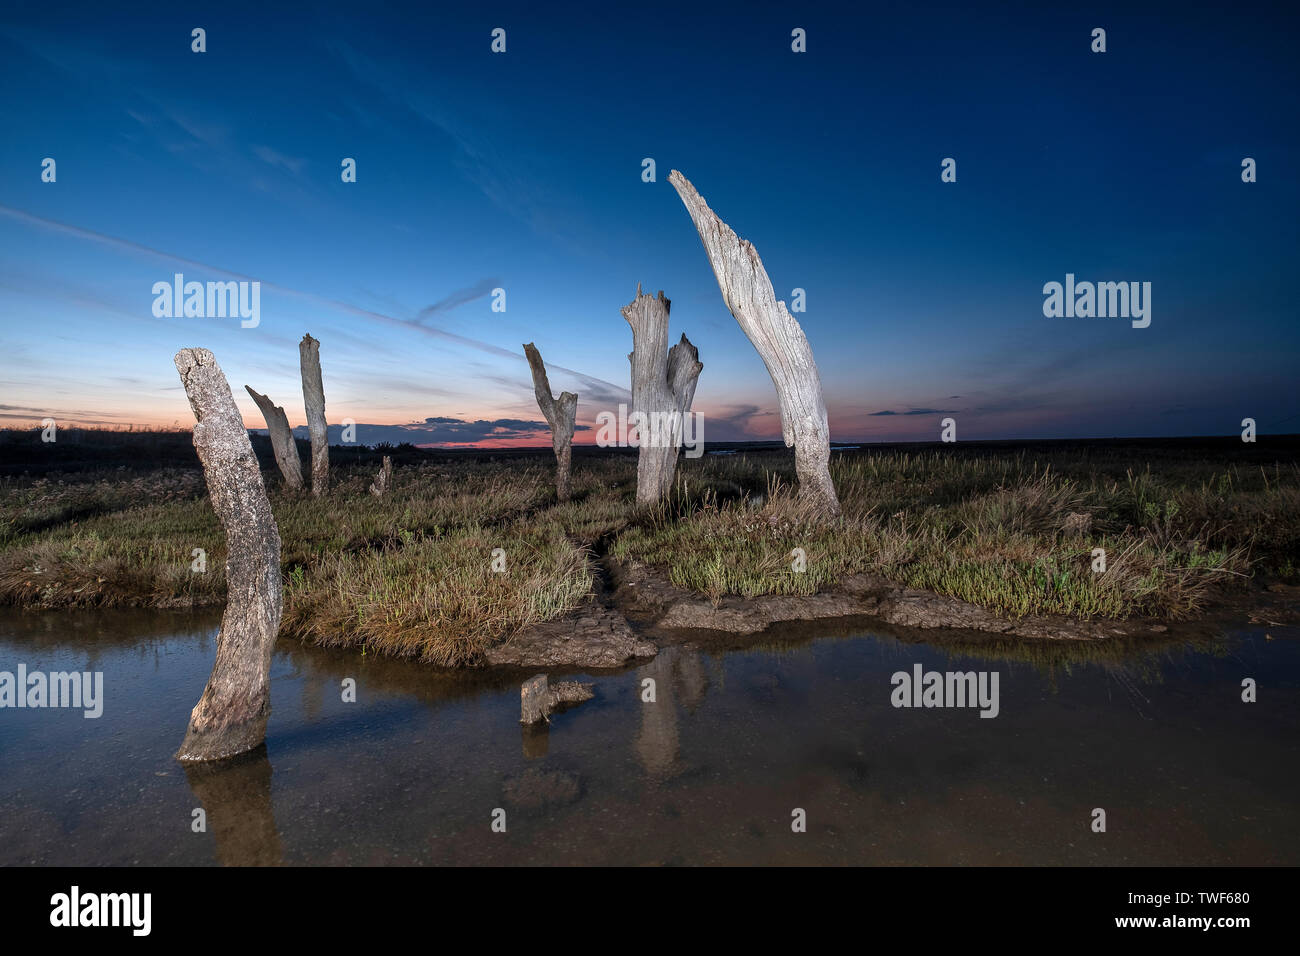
(313, 397)
(561, 414)
(780, 341)
(231, 715)
(282, 443)
(663, 387)
(383, 479)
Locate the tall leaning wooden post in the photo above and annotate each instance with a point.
(313, 398)
(779, 339)
(561, 414)
(663, 387)
(230, 717)
(282, 443)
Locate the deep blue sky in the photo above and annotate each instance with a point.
(523, 171)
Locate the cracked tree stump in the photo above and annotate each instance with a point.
(313, 397)
(663, 387)
(282, 443)
(384, 478)
(538, 699)
(780, 341)
(561, 414)
(230, 717)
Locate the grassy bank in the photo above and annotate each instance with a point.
(412, 574)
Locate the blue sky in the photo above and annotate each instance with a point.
(522, 171)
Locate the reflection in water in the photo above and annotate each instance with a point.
(536, 739)
(236, 795)
(656, 744)
(740, 732)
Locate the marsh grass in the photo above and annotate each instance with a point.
(411, 574)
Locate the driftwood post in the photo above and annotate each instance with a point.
(231, 715)
(383, 479)
(663, 387)
(538, 698)
(282, 443)
(780, 341)
(561, 414)
(313, 397)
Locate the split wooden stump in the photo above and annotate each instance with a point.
(663, 387)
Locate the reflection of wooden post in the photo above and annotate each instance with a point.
(780, 341)
(561, 414)
(236, 796)
(657, 743)
(231, 715)
(282, 443)
(663, 386)
(313, 397)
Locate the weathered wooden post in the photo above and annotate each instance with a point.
(561, 414)
(231, 715)
(383, 479)
(538, 698)
(313, 397)
(282, 443)
(780, 341)
(663, 387)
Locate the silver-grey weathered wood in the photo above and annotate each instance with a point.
(230, 717)
(538, 698)
(561, 414)
(663, 387)
(282, 443)
(780, 341)
(380, 485)
(313, 397)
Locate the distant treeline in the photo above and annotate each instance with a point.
(143, 449)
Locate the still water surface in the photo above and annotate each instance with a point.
(411, 773)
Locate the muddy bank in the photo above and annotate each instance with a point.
(596, 636)
(637, 607)
(647, 594)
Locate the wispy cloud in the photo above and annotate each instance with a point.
(588, 382)
(275, 158)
